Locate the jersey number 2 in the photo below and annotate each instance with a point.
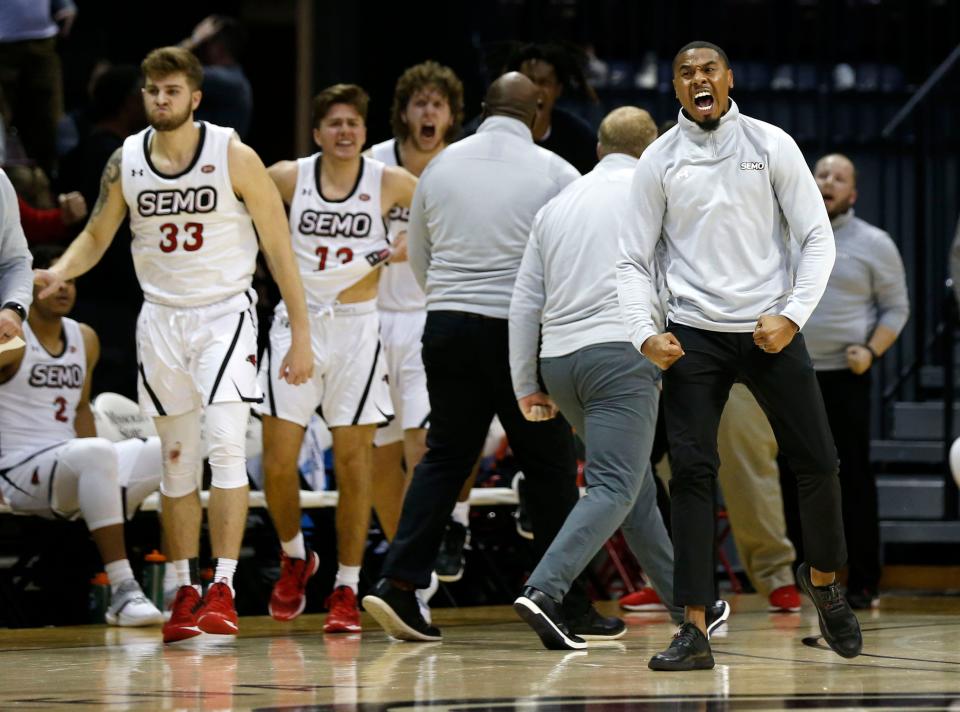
(61, 414)
(193, 242)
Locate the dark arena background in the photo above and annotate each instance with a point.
(875, 80)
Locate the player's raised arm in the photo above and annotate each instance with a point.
(90, 245)
(253, 184)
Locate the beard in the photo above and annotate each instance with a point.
(172, 121)
(839, 208)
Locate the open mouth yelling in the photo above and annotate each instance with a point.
(428, 131)
(704, 102)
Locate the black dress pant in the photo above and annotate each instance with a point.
(466, 359)
(695, 391)
(847, 400)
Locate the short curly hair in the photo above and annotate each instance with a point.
(418, 77)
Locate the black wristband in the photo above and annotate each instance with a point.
(872, 352)
(18, 308)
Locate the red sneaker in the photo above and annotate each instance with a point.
(785, 599)
(289, 596)
(217, 614)
(646, 599)
(344, 616)
(183, 616)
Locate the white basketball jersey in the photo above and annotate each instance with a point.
(337, 242)
(398, 290)
(193, 239)
(39, 404)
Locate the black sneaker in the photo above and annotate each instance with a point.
(716, 615)
(838, 623)
(545, 616)
(450, 561)
(397, 612)
(592, 626)
(521, 515)
(689, 650)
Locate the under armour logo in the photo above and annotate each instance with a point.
(306, 191)
(136, 172)
(683, 174)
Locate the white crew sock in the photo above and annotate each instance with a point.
(461, 513)
(118, 571)
(170, 576)
(348, 576)
(226, 568)
(182, 567)
(295, 548)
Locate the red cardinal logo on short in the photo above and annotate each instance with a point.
(252, 359)
(35, 480)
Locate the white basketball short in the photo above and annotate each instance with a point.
(42, 485)
(349, 383)
(194, 356)
(401, 332)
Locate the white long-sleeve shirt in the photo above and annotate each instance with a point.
(724, 203)
(16, 275)
(471, 216)
(567, 282)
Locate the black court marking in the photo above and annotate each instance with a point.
(816, 641)
(654, 703)
(835, 661)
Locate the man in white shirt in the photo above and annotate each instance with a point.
(566, 293)
(469, 224)
(721, 194)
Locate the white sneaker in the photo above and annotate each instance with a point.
(130, 607)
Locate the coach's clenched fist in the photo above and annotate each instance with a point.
(662, 349)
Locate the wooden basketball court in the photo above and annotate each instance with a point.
(489, 660)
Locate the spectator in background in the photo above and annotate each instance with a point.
(110, 296)
(859, 317)
(31, 81)
(227, 96)
(42, 219)
(555, 69)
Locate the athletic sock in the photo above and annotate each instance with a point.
(348, 576)
(461, 513)
(169, 576)
(295, 548)
(118, 571)
(226, 568)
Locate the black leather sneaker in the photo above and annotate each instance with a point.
(545, 616)
(689, 650)
(838, 623)
(592, 626)
(398, 613)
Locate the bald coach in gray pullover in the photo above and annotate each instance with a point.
(567, 287)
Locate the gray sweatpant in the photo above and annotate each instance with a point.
(609, 394)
